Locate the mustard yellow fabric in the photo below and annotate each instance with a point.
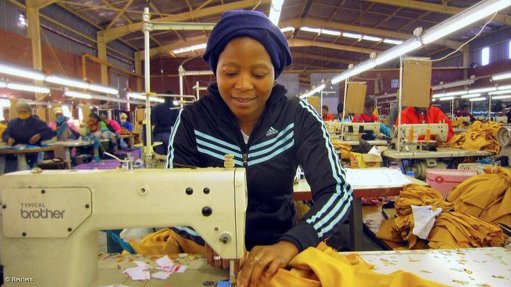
(323, 266)
(480, 136)
(486, 196)
(3, 127)
(166, 241)
(451, 229)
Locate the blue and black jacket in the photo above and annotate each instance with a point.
(289, 133)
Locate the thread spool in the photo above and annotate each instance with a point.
(504, 136)
(410, 135)
(229, 161)
(427, 136)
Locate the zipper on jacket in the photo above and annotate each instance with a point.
(245, 159)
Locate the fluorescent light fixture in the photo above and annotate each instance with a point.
(360, 68)
(74, 94)
(287, 29)
(313, 91)
(140, 96)
(21, 72)
(397, 51)
(371, 38)
(500, 92)
(103, 89)
(477, 99)
(501, 97)
(454, 84)
(470, 96)
(352, 35)
(320, 31)
(446, 99)
(310, 29)
(190, 48)
(464, 19)
(501, 76)
(67, 82)
(393, 42)
(456, 93)
(483, 90)
(275, 9)
(501, 88)
(3, 84)
(28, 88)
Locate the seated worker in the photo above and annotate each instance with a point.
(325, 114)
(347, 117)
(26, 130)
(126, 126)
(368, 115)
(99, 130)
(63, 126)
(248, 115)
(464, 112)
(431, 115)
(4, 122)
(111, 124)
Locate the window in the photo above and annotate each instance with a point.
(485, 56)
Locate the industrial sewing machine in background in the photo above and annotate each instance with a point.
(356, 131)
(49, 220)
(409, 137)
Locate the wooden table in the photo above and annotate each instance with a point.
(440, 153)
(20, 154)
(456, 267)
(372, 187)
(131, 141)
(68, 145)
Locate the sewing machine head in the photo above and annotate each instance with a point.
(499, 119)
(415, 135)
(354, 131)
(49, 221)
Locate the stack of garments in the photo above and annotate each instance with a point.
(450, 230)
(486, 196)
(323, 266)
(344, 149)
(480, 136)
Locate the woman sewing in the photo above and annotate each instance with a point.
(247, 114)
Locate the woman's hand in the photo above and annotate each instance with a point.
(263, 262)
(10, 141)
(34, 139)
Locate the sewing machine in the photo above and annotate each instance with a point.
(49, 220)
(499, 119)
(413, 136)
(354, 131)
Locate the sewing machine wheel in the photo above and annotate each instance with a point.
(419, 168)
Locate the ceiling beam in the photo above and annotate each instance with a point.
(320, 58)
(114, 33)
(40, 3)
(119, 14)
(442, 9)
(307, 43)
(317, 23)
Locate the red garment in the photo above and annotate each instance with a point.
(115, 125)
(363, 118)
(434, 116)
(328, 117)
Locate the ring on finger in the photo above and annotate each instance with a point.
(256, 259)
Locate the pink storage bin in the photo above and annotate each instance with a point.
(445, 180)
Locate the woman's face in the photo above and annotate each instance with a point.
(245, 76)
(23, 113)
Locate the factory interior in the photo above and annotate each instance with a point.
(255, 143)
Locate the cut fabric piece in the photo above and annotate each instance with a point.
(486, 196)
(480, 136)
(323, 266)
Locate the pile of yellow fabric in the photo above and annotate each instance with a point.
(344, 149)
(480, 136)
(451, 229)
(486, 196)
(323, 266)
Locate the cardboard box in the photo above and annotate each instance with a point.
(359, 160)
(445, 180)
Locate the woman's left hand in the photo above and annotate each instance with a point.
(263, 262)
(34, 139)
